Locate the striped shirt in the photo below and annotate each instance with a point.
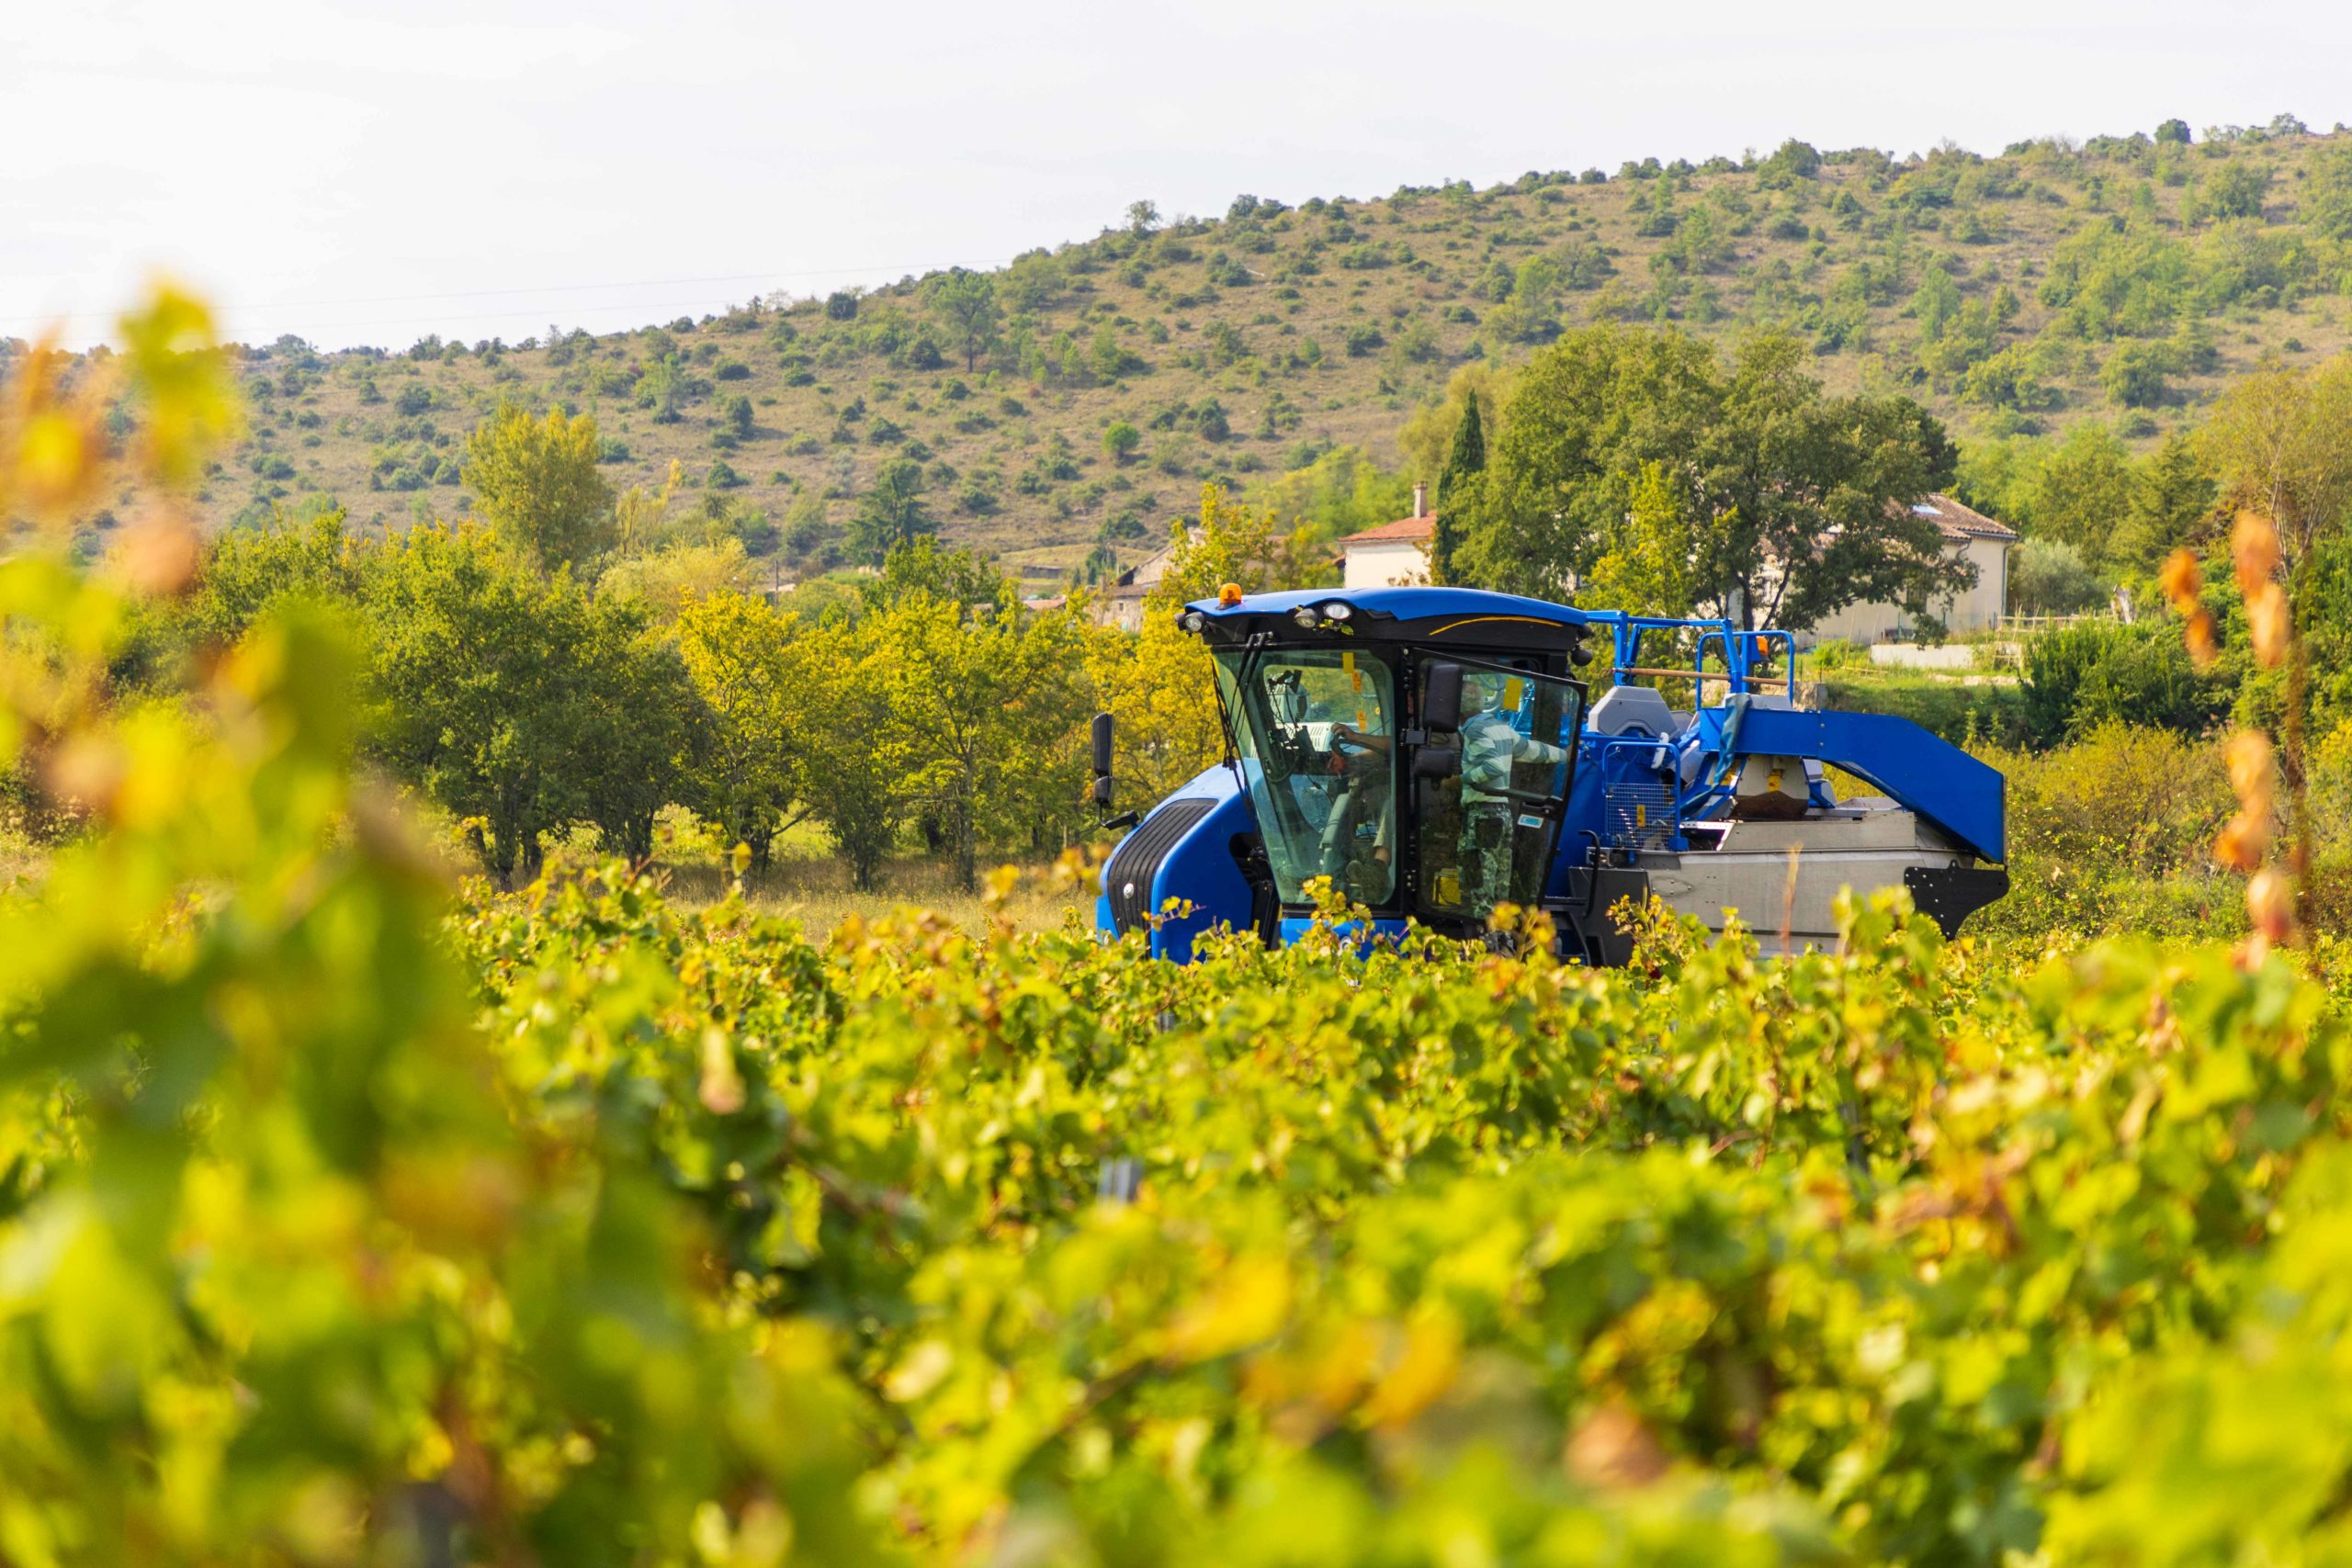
(1490, 746)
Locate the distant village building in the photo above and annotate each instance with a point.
(1393, 555)
(1121, 604)
(1968, 535)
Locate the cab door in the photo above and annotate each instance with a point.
(1487, 798)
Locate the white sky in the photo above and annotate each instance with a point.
(367, 173)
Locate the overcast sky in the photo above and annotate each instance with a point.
(368, 173)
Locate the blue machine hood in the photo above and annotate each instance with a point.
(1404, 603)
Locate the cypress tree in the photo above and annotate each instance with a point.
(1466, 457)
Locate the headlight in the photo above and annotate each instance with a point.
(1193, 621)
(1338, 611)
(1305, 617)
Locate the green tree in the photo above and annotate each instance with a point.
(2082, 491)
(637, 731)
(807, 532)
(1143, 217)
(964, 302)
(1649, 568)
(1935, 303)
(665, 581)
(859, 773)
(538, 483)
(2049, 577)
(1806, 501)
(1427, 438)
(2136, 376)
(2281, 442)
(1583, 417)
(250, 573)
(1229, 542)
(753, 677)
(891, 512)
(2084, 676)
(661, 387)
(1108, 359)
(954, 577)
(952, 679)
(736, 414)
(1466, 466)
(2326, 198)
(2236, 190)
(1120, 440)
(987, 705)
(2173, 494)
(478, 687)
(1796, 504)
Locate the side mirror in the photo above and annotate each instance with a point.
(1442, 700)
(1101, 738)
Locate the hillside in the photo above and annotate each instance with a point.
(2122, 279)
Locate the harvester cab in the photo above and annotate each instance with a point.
(1437, 751)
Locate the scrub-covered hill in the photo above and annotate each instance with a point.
(1056, 411)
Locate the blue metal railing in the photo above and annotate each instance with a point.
(1647, 801)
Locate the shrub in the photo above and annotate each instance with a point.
(2236, 190)
(2135, 376)
(1962, 714)
(2049, 577)
(2110, 832)
(2084, 676)
(416, 398)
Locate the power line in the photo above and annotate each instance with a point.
(518, 312)
(778, 275)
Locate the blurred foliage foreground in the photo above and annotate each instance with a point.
(346, 1225)
(347, 1221)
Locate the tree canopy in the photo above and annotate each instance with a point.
(537, 482)
(965, 301)
(892, 512)
(1786, 504)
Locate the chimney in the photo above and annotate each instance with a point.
(1421, 501)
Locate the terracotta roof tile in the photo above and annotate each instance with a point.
(1954, 521)
(1414, 528)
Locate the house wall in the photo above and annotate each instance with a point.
(1979, 609)
(1125, 613)
(1384, 563)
